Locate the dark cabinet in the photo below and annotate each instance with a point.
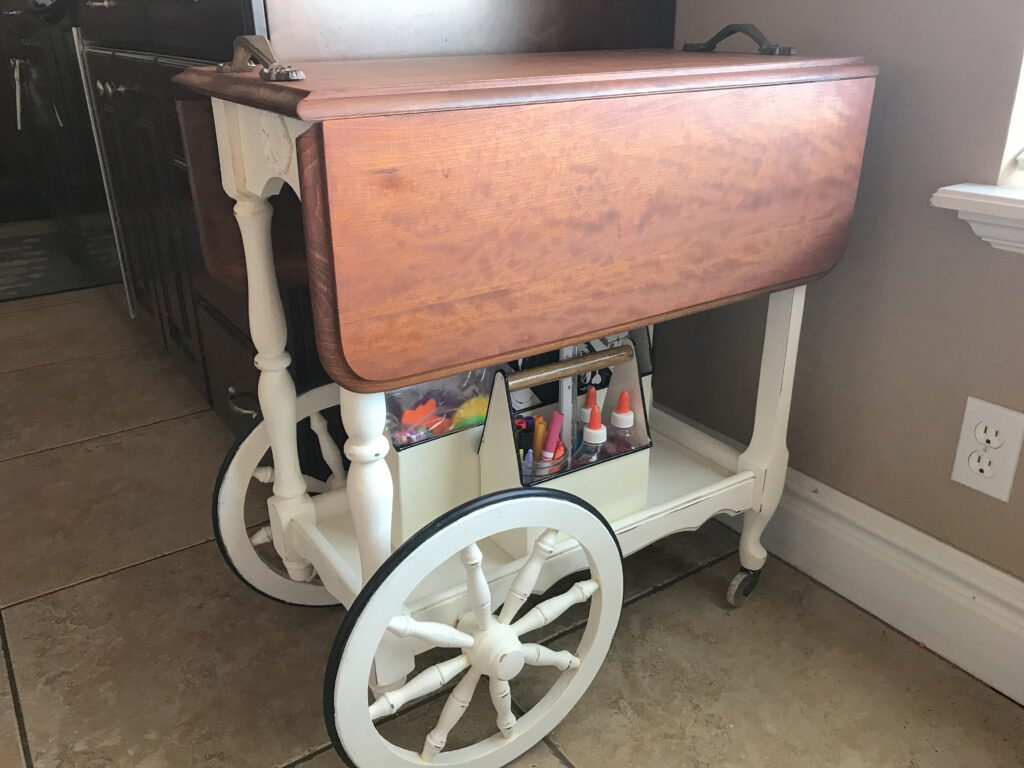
(47, 141)
(202, 322)
(149, 187)
(133, 49)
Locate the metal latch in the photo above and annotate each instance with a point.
(255, 50)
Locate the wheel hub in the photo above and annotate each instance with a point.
(497, 652)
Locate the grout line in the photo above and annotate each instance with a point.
(546, 740)
(679, 577)
(309, 756)
(204, 409)
(645, 593)
(111, 572)
(15, 699)
(49, 305)
(154, 344)
(79, 357)
(558, 753)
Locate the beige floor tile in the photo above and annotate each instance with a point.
(477, 724)
(10, 739)
(27, 228)
(55, 299)
(797, 677)
(57, 332)
(409, 731)
(660, 563)
(86, 509)
(60, 403)
(171, 663)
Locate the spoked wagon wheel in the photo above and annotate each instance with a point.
(249, 551)
(485, 645)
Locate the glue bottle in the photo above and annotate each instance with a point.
(594, 437)
(583, 416)
(620, 434)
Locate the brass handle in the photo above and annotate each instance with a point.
(12, 12)
(240, 410)
(100, 3)
(545, 374)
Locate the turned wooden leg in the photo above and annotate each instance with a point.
(276, 388)
(370, 489)
(370, 499)
(767, 455)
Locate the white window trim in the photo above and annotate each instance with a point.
(995, 213)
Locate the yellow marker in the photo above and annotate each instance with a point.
(540, 430)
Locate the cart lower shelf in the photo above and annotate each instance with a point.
(686, 488)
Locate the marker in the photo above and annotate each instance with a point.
(528, 465)
(539, 432)
(551, 441)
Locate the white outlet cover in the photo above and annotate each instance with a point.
(1004, 458)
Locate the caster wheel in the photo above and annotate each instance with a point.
(741, 587)
(249, 552)
(484, 644)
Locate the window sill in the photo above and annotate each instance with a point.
(996, 214)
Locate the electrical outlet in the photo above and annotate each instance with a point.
(982, 464)
(989, 448)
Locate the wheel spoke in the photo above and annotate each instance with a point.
(476, 586)
(539, 656)
(526, 579)
(454, 708)
(501, 697)
(430, 631)
(315, 485)
(328, 448)
(546, 612)
(429, 680)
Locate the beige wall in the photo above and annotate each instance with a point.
(920, 313)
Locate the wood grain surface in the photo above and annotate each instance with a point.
(470, 210)
(392, 86)
(219, 238)
(459, 239)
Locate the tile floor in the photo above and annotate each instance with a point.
(127, 642)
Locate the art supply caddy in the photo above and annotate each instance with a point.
(442, 431)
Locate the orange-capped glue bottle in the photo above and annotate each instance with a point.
(583, 416)
(594, 437)
(621, 437)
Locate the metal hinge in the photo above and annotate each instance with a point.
(255, 50)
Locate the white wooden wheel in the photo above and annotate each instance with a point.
(485, 645)
(252, 563)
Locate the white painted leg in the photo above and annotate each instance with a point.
(276, 388)
(328, 449)
(370, 499)
(370, 489)
(767, 455)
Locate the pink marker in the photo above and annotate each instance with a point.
(551, 442)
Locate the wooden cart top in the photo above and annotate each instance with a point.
(468, 210)
(335, 89)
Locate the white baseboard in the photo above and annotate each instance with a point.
(966, 611)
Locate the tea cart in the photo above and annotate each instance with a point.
(460, 212)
